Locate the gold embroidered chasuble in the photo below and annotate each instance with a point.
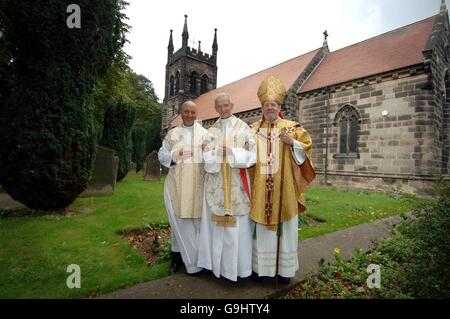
(226, 192)
(185, 179)
(266, 175)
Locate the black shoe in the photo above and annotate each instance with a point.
(255, 277)
(284, 280)
(176, 261)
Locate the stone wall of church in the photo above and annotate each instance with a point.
(396, 135)
(437, 63)
(420, 187)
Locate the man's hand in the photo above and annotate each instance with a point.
(223, 150)
(182, 155)
(286, 138)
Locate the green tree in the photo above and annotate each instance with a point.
(148, 111)
(139, 136)
(119, 118)
(48, 72)
(120, 82)
(112, 86)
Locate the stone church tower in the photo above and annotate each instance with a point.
(189, 73)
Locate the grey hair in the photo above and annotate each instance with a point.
(218, 96)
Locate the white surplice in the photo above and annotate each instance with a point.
(227, 251)
(184, 231)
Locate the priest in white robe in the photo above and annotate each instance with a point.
(182, 153)
(225, 245)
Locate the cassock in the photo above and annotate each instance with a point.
(183, 190)
(280, 177)
(225, 245)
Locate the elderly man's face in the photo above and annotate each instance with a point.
(270, 110)
(224, 107)
(189, 113)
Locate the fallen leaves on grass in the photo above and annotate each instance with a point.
(151, 242)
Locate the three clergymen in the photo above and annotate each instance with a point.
(233, 192)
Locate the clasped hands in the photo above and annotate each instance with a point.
(184, 154)
(224, 151)
(286, 138)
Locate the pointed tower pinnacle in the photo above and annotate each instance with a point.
(185, 34)
(170, 46)
(215, 46)
(443, 7)
(199, 46)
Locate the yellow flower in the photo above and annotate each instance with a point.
(337, 250)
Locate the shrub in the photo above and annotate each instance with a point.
(47, 74)
(429, 239)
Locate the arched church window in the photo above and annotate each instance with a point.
(171, 86)
(204, 84)
(177, 83)
(193, 89)
(347, 120)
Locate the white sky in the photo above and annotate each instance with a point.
(256, 34)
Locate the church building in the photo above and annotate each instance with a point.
(378, 111)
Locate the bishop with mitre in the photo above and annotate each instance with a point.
(283, 171)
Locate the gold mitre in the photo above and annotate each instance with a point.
(272, 89)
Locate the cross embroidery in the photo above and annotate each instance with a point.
(269, 184)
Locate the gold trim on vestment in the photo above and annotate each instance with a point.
(226, 176)
(296, 178)
(224, 221)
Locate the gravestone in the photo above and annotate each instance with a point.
(104, 173)
(6, 202)
(152, 167)
(115, 169)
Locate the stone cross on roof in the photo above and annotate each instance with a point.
(325, 41)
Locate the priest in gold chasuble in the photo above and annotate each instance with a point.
(182, 153)
(283, 171)
(225, 245)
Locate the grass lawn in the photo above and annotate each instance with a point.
(340, 209)
(36, 250)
